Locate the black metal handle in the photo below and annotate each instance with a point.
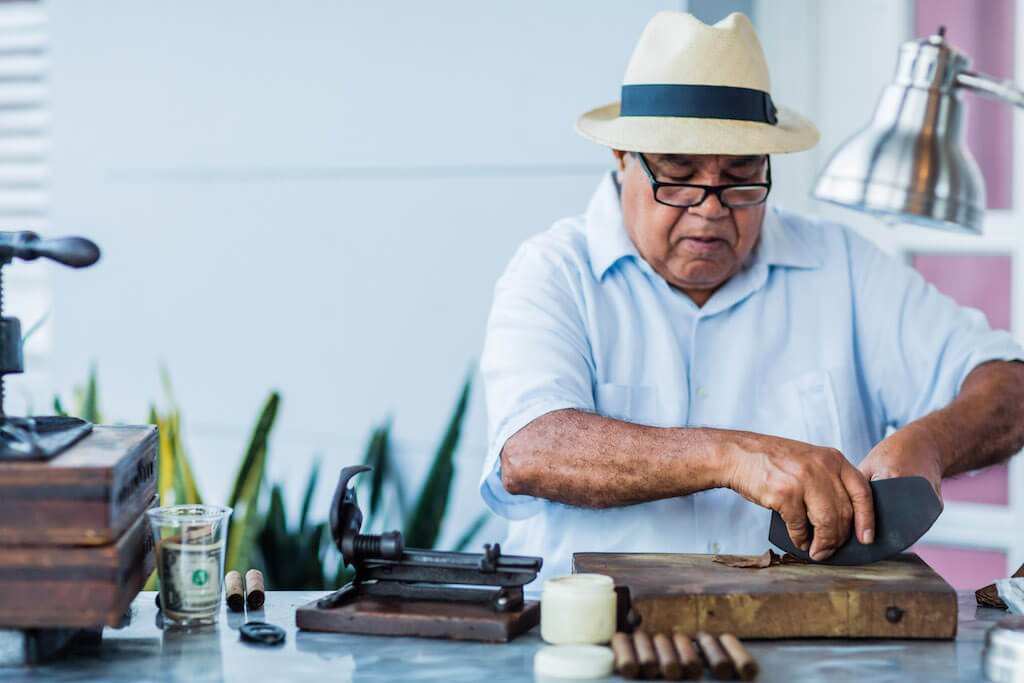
(76, 252)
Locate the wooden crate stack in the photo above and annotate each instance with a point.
(75, 545)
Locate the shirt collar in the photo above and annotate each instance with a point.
(607, 239)
(781, 244)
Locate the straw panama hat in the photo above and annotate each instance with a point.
(691, 88)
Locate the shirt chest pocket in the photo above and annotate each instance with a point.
(629, 402)
(803, 408)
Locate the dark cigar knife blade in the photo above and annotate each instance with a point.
(905, 508)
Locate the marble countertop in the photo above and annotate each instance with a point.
(143, 651)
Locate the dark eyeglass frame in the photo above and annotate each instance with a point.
(708, 189)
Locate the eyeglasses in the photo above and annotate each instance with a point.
(688, 195)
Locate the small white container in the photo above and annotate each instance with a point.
(578, 609)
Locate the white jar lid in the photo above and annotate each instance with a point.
(574, 661)
(579, 584)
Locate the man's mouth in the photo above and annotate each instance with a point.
(704, 244)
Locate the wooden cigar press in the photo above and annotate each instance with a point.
(403, 591)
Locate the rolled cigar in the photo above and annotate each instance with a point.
(741, 658)
(625, 655)
(254, 595)
(234, 593)
(688, 657)
(718, 661)
(645, 655)
(668, 661)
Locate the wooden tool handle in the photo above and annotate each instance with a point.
(668, 661)
(740, 656)
(718, 661)
(625, 656)
(645, 654)
(233, 591)
(688, 657)
(254, 595)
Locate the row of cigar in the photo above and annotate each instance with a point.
(254, 594)
(675, 656)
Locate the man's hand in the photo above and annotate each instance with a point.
(907, 452)
(816, 490)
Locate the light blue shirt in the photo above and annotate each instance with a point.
(820, 337)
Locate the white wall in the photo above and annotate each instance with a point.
(311, 196)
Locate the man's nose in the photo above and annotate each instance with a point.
(710, 208)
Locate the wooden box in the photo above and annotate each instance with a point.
(898, 598)
(87, 495)
(86, 586)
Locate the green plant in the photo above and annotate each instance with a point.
(422, 527)
(246, 520)
(295, 558)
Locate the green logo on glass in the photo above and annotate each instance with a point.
(200, 577)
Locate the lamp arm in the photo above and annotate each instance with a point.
(1006, 91)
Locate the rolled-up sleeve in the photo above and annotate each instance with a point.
(916, 344)
(536, 359)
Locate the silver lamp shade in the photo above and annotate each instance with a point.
(911, 163)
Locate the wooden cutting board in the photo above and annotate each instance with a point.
(898, 598)
(87, 495)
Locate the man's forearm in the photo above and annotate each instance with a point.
(582, 459)
(984, 425)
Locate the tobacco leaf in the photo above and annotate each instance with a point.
(989, 595)
(766, 559)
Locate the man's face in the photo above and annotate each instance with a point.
(695, 249)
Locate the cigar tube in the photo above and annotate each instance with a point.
(233, 591)
(688, 657)
(668, 662)
(625, 656)
(645, 655)
(741, 658)
(254, 595)
(718, 661)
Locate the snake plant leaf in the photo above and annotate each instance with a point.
(307, 497)
(246, 523)
(423, 527)
(165, 457)
(471, 533)
(89, 399)
(256, 452)
(377, 458)
(36, 326)
(184, 468)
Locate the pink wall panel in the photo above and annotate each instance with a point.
(963, 568)
(984, 31)
(982, 282)
(979, 281)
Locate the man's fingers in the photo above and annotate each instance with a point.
(830, 514)
(859, 490)
(795, 517)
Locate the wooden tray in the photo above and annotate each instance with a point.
(898, 598)
(86, 587)
(87, 495)
(423, 618)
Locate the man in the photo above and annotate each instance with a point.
(666, 368)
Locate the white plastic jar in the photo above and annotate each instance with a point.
(578, 609)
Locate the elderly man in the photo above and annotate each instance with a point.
(667, 367)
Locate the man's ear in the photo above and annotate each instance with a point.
(620, 157)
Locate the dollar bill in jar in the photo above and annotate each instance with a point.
(190, 545)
